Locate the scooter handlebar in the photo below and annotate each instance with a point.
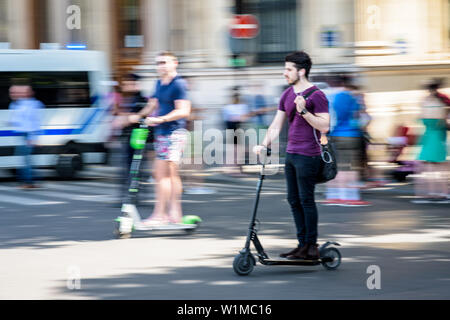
(267, 152)
(142, 124)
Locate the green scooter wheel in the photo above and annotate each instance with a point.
(192, 220)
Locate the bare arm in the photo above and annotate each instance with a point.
(320, 121)
(182, 111)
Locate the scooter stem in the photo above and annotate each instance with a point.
(251, 229)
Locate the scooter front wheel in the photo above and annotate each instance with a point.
(121, 235)
(244, 263)
(118, 234)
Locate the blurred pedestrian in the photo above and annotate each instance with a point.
(193, 177)
(115, 98)
(26, 122)
(128, 101)
(432, 186)
(234, 116)
(303, 157)
(258, 106)
(364, 120)
(170, 101)
(347, 136)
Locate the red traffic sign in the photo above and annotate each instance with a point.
(244, 26)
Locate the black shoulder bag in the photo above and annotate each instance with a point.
(328, 168)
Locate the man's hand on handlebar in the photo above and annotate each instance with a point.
(134, 118)
(153, 121)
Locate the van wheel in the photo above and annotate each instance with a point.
(68, 165)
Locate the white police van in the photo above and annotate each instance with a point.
(74, 87)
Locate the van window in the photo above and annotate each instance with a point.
(53, 89)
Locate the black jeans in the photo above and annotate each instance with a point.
(301, 172)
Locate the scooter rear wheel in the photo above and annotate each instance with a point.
(243, 264)
(334, 255)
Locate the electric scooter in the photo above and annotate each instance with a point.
(131, 222)
(244, 262)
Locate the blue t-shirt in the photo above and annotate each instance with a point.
(345, 109)
(167, 95)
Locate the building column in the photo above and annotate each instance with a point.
(156, 22)
(333, 20)
(98, 23)
(207, 33)
(57, 15)
(20, 24)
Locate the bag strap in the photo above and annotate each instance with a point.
(309, 94)
(326, 155)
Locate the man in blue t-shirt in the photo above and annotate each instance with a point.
(172, 109)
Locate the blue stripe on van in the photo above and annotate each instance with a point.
(58, 132)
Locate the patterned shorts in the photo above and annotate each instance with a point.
(170, 147)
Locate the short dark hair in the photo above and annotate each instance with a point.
(301, 60)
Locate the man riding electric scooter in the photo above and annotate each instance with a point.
(303, 154)
(173, 107)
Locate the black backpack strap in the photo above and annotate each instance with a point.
(306, 96)
(309, 94)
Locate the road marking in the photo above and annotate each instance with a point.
(30, 201)
(22, 201)
(75, 197)
(68, 187)
(94, 184)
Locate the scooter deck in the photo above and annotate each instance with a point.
(167, 227)
(298, 262)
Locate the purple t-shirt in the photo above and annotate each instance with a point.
(301, 136)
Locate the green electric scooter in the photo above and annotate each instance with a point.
(130, 222)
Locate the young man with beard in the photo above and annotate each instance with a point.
(303, 154)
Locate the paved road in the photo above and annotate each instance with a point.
(52, 237)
